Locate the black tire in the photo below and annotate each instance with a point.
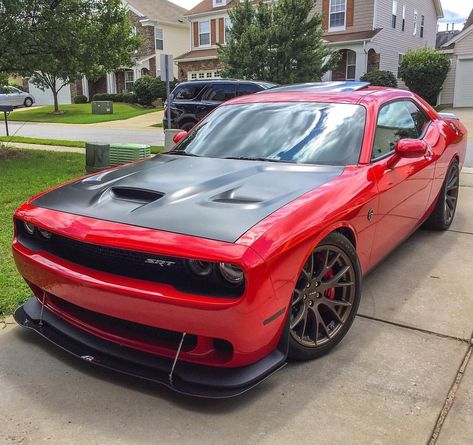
(28, 102)
(330, 309)
(186, 126)
(444, 211)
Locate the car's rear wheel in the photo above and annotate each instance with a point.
(28, 102)
(325, 299)
(442, 216)
(186, 126)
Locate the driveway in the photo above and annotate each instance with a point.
(117, 131)
(466, 116)
(403, 374)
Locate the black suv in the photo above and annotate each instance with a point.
(192, 101)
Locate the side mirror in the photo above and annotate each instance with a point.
(178, 137)
(410, 148)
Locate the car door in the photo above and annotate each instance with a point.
(16, 96)
(214, 95)
(403, 184)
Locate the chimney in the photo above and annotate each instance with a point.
(447, 26)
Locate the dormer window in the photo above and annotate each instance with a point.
(218, 3)
(337, 15)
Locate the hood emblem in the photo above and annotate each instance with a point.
(162, 263)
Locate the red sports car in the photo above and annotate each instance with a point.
(205, 268)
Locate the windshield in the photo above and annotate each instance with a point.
(308, 133)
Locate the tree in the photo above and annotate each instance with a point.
(279, 42)
(66, 39)
(424, 71)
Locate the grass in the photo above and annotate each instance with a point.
(58, 142)
(23, 174)
(79, 114)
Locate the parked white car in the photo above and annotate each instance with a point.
(14, 96)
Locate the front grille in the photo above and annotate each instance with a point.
(127, 263)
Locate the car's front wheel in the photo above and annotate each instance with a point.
(325, 299)
(28, 102)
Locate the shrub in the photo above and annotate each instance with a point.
(424, 71)
(80, 99)
(147, 89)
(380, 78)
(120, 97)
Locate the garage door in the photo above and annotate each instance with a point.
(46, 97)
(464, 84)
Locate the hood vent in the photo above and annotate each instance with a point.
(141, 196)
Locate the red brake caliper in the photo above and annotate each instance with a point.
(329, 293)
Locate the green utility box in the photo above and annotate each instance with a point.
(97, 157)
(102, 107)
(123, 153)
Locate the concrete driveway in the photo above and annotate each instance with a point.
(401, 376)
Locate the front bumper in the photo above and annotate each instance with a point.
(185, 378)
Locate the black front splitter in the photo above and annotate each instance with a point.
(187, 378)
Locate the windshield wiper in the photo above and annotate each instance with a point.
(183, 153)
(244, 158)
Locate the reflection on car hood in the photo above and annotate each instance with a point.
(205, 197)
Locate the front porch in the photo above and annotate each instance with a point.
(355, 61)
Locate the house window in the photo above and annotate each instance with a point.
(403, 17)
(414, 30)
(228, 26)
(218, 3)
(158, 38)
(351, 65)
(394, 17)
(129, 79)
(337, 15)
(399, 61)
(204, 33)
(201, 75)
(422, 22)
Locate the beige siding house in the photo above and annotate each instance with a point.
(370, 34)
(458, 87)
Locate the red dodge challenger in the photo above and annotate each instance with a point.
(205, 268)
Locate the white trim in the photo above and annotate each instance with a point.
(460, 36)
(152, 22)
(85, 87)
(196, 59)
(415, 23)
(132, 8)
(206, 14)
(337, 28)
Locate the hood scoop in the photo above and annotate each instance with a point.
(140, 196)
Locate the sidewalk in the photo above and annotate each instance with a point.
(403, 374)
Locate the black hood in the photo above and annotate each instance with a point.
(211, 198)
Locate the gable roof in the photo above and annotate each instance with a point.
(467, 29)
(158, 10)
(469, 20)
(444, 36)
(207, 6)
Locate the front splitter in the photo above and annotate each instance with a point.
(187, 378)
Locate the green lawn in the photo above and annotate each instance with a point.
(24, 173)
(58, 142)
(79, 114)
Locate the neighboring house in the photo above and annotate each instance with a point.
(458, 87)
(370, 34)
(165, 31)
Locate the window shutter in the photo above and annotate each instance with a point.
(213, 31)
(325, 13)
(350, 12)
(196, 34)
(221, 29)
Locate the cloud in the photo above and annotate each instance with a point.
(452, 17)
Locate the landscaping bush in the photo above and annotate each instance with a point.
(120, 97)
(147, 89)
(80, 99)
(424, 71)
(380, 78)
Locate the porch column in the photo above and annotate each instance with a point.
(85, 87)
(109, 80)
(361, 62)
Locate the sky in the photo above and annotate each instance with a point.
(454, 11)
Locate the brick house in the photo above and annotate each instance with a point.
(370, 34)
(164, 29)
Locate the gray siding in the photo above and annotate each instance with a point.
(390, 42)
(448, 91)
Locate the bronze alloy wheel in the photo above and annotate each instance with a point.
(451, 193)
(325, 298)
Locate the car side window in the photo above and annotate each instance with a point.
(220, 92)
(3, 90)
(248, 88)
(188, 92)
(397, 120)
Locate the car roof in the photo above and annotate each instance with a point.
(207, 81)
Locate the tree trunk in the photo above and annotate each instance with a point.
(56, 104)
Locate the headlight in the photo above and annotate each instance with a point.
(233, 274)
(44, 233)
(200, 268)
(30, 228)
